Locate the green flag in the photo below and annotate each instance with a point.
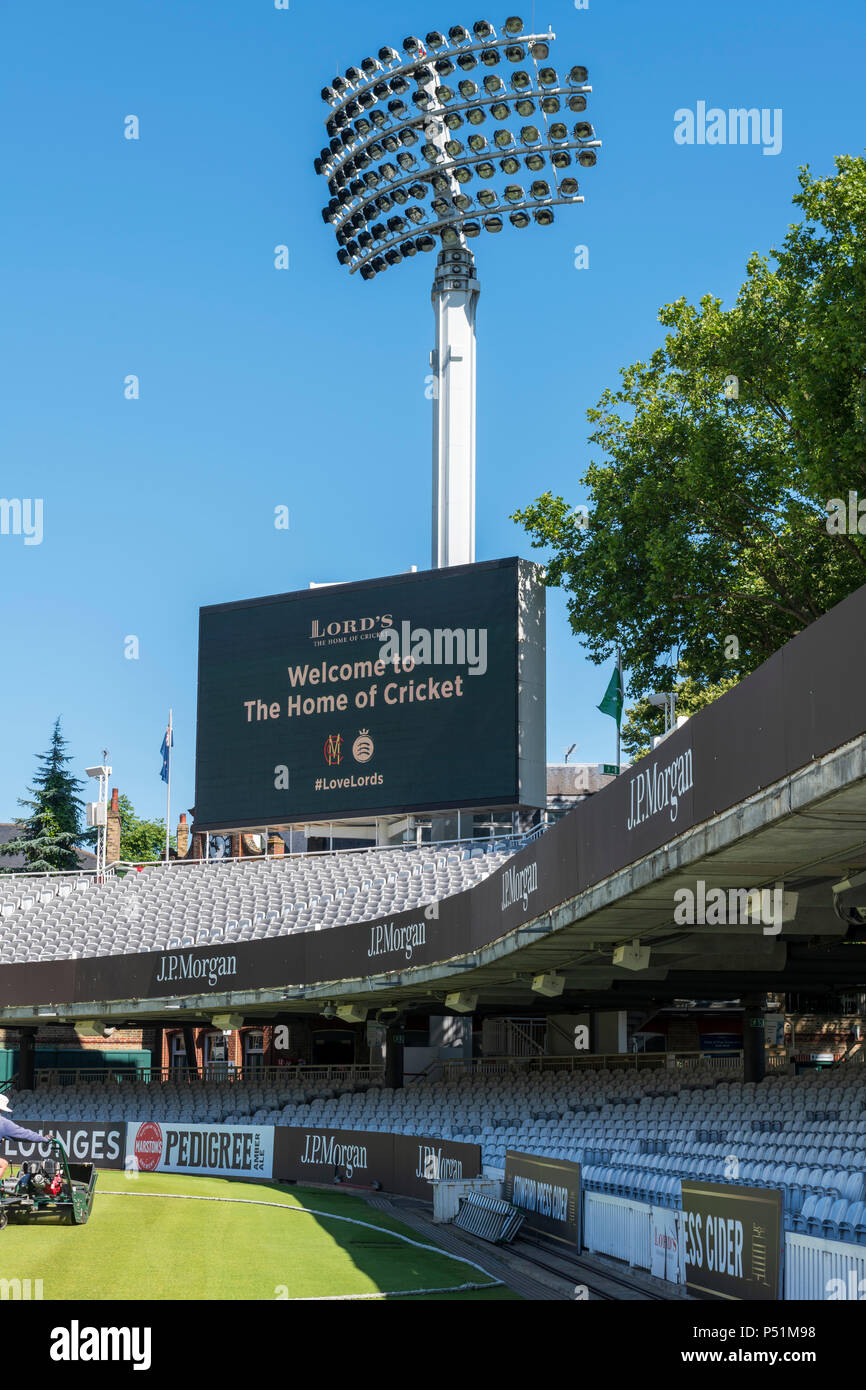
(612, 702)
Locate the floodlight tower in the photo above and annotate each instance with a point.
(379, 186)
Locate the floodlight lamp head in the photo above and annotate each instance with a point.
(388, 104)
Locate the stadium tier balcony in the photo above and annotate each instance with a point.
(179, 906)
(636, 1134)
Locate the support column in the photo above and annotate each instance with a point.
(394, 1058)
(26, 1059)
(455, 300)
(156, 1062)
(189, 1048)
(754, 1054)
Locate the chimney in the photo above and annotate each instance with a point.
(112, 832)
(276, 846)
(182, 837)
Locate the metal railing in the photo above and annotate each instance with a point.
(615, 1061)
(489, 843)
(214, 1073)
(515, 1037)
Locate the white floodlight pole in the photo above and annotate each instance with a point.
(353, 209)
(455, 300)
(97, 816)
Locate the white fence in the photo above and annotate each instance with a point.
(823, 1269)
(815, 1269)
(619, 1227)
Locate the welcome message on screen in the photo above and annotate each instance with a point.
(392, 694)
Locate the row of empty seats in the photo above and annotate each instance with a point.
(636, 1134)
(180, 906)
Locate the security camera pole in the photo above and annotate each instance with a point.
(365, 126)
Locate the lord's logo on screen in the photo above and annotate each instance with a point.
(349, 627)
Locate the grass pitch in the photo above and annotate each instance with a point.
(158, 1246)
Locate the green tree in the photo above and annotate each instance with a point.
(644, 721)
(140, 840)
(50, 833)
(707, 544)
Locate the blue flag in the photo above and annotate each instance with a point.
(167, 742)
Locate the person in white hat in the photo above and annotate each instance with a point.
(9, 1130)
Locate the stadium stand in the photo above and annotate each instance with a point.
(60, 917)
(636, 1134)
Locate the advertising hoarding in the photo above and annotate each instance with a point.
(85, 1141)
(415, 692)
(733, 1240)
(221, 1151)
(547, 1190)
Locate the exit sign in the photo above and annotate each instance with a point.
(608, 769)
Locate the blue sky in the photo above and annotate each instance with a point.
(307, 387)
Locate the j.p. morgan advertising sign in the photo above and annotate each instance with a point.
(733, 1240)
(404, 1163)
(547, 1190)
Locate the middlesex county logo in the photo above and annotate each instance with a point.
(333, 749)
(148, 1146)
(363, 747)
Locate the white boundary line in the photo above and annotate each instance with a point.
(394, 1293)
(330, 1216)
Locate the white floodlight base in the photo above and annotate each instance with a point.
(455, 300)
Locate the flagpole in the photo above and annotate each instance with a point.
(169, 742)
(619, 669)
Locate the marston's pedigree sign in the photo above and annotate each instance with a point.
(223, 1151)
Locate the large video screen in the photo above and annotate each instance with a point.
(416, 692)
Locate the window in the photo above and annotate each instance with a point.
(216, 1055)
(254, 1047)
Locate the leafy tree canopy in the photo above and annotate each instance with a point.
(140, 840)
(708, 517)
